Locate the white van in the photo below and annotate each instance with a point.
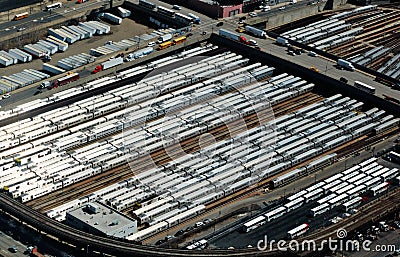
(266, 8)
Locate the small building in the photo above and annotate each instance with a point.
(99, 219)
(212, 8)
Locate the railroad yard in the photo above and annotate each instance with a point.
(304, 207)
(367, 36)
(163, 143)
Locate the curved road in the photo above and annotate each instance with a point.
(103, 244)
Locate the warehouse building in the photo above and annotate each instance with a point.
(211, 8)
(96, 218)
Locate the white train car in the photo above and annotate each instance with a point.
(292, 205)
(373, 182)
(353, 203)
(185, 215)
(362, 181)
(379, 189)
(297, 231)
(313, 195)
(147, 232)
(379, 172)
(288, 177)
(63, 209)
(319, 210)
(373, 170)
(390, 174)
(356, 191)
(338, 200)
(326, 199)
(274, 214)
(253, 224)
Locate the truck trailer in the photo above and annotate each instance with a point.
(139, 53)
(64, 80)
(164, 38)
(232, 36)
(345, 64)
(111, 17)
(256, 32)
(108, 64)
(282, 41)
(123, 12)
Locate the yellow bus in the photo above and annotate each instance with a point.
(21, 16)
(179, 40)
(165, 45)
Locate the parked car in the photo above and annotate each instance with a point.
(159, 242)
(189, 34)
(179, 232)
(204, 32)
(190, 228)
(5, 96)
(396, 86)
(266, 8)
(219, 24)
(253, 42)
(151, 43)
(297, 51)
(282, 8)
(253, 14)
(314, 69)
(199, 224)
(206, 221)
(176, 7)
(13, 249)
(21, 29)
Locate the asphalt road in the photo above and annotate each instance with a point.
(13, 233)
(324, 65)
(68, 9)
(6, 242)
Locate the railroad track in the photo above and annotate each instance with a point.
(103, 244)
(266, 181)
(366, 213)
(161, 157)
(250, 190)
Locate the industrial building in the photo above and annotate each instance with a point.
(214, 9)
(99, 219)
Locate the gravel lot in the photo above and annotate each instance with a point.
(127, 29)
